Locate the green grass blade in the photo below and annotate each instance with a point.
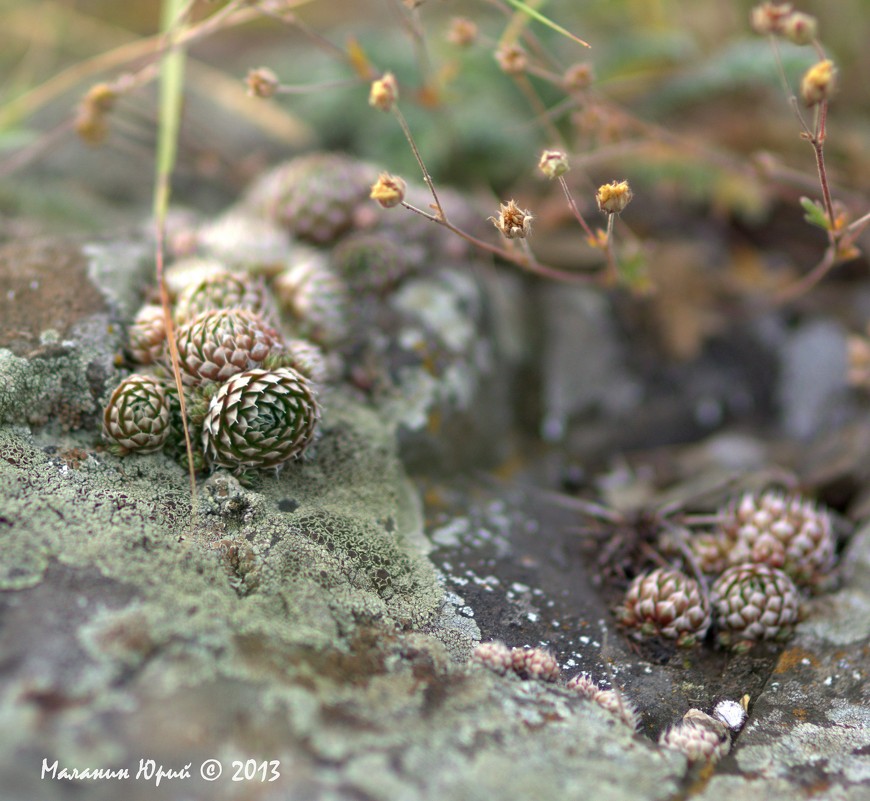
(171, 91)
(537, 15)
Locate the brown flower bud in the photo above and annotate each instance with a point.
(262, 82)
(768, 18)
(462, 32)
(388, 191)
(614, 197)
(512, 221)
(578, 77)
(818, 82)
(384, 92)
(512, 59)
(553, 163)
(800, 28)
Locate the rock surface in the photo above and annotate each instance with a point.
(320, 622)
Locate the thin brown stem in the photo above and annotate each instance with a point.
(173, 354)
(426, 177)
(855, 228)
(529, 264)
(573, 206)
(818, 144)
(612, 266)
(809, 280)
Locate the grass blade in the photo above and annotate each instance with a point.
(537, 15)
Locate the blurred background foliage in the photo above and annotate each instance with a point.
(685, 100)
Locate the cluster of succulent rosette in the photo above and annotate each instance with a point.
(743, 580)
(262, 302)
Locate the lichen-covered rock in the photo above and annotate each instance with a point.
(59, 303)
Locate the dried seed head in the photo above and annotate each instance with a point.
(535, 663)
(494, 656)
(388, 191)
(666, 603)
(699, 736)
(462, 32)
(260, 419)
(800, 28)
(578, 77)
(781, 531)
(512, 59)
(136, 417)
(553, 163)
(818, 82)
(768, 18)
(512, 221)
(384, 92)
(753, 602)
(612, 198)
(262, 82)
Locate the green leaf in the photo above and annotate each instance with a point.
(815, 213)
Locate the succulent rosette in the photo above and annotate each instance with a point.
(218, 344)
(786, 532)
(136, 417)
(370, 262)
(753, 602)
(260, 419)
(315, 195)
(315, 299)
(667, 603)
(146, 335)
(225, 290)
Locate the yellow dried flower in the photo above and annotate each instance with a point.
(388, 191)
(818, 82)
(462, 32)
(512, 59)
(384, 92)
(512, 221)
(262, 82)
(101, 97)
(614, 197)
(90, 122)
(553, 163)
